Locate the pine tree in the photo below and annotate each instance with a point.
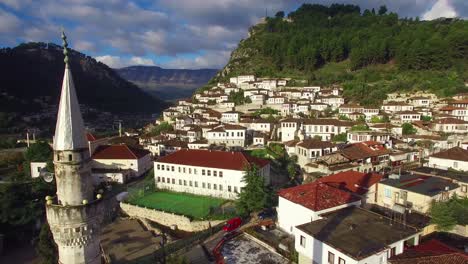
(46, 247)
(255, 195)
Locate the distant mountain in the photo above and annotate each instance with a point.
(34, 70)
(168, 84)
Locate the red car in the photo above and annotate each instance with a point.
(232, 224)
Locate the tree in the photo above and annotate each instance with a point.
(46, 247)
(426, 118)
(279, 14)
(382, 10)
(362, 127)
(343, 137)
(408, 129)
(255, 195)
(445, 215)
(162, 127)
(37, 152)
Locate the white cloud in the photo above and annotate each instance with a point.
(8, 22)
(213, 60)
(119, 62)
(440, 9)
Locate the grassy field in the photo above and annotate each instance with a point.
(190, 205)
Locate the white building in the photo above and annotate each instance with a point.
(361, 136)
(455, 158)
(310, 149)
(325, 128)
(392, 107)
(229, 135)
(289, 129)
(352, 236)
(122, 157)
(408, 116)
(231, 117)
(36, 168)
(205, 172)
(304, 203)
(451, 125)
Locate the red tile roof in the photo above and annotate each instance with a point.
(119, 152)
(213, 159)
(361, 151)
(353, 181)
(430, 252)
(317, 196)
(455, 153)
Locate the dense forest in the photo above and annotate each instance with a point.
(358, 49)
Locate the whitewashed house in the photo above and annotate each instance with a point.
(408, 116)
(450, 125)
(122, 157)
(229, 135)
(352, 235)
(206, 172)
(231, 117)
(392, 107)
(455, 158)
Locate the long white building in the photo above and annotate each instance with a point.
(206, 172)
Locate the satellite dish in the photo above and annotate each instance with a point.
(47, 176)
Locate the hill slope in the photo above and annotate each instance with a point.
(369, 54)
(168, 84)
(36, 69)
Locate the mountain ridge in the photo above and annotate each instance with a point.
(169, 84)
(35, 69)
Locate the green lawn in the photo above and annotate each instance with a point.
(190, 205)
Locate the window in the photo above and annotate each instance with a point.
(172, 168)
(190, 170)
(203, 172)
(183, 169)
(173, 181)
(70, 157)
(203, 185)
(229, 188)
(455, 164)
(179, 169)
(194, 171)
(215, 186)
(208, 172)
(331, 258)
(341, 261)
(190, 183)
(220, 187)
(235, 189)
(215, 173)
(180, 182)
(163, 179)
(388, 193)
(196, 184)
(159, 179)
(185, 183)
(158, 167)
(162, 167)
(392, 252)
(209, 185)
(167, 167)
(302, 241)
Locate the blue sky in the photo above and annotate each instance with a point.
(188, 34)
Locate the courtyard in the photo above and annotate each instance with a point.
(194, 206)
(244, 250)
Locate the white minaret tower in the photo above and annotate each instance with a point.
(74, 216)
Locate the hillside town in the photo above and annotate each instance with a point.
(353, 184)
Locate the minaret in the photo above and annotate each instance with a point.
(74, 216)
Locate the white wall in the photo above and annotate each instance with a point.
(291, 214)
(138, 167)
(446, 163)
(193, 177)
(36, 168)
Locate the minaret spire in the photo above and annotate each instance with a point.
(69, 131)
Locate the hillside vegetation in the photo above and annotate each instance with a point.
(370, 53)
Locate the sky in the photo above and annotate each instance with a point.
(189, 34)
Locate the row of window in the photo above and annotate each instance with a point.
(180, 169)
(226, 134)
(204, 185)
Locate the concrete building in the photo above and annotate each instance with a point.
(309, 150)
(450, 125)
(325, 128)
(74, 215)
(415, 192)
(121, 158)
(36, 168)
(304, 203)
(455, 158)
(229, 135)
(352, 236)
(206, 172)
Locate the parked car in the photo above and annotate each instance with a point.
(266, 213)
(232, 224)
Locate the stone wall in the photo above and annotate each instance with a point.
(167, 219)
